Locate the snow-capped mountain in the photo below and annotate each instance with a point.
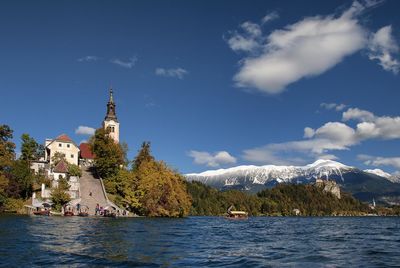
(271, 173)
(378, 172)
(381, 173)
(365, 185)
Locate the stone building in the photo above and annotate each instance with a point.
(64, 145)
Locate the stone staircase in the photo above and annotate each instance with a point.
(89, 183)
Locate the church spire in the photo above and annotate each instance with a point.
(111, 96)
(111, 114)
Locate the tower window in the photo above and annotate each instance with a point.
(59, 145)
(72, 156)
(112, 129)
(67, 145)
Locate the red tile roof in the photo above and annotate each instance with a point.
(61, 167)
(64, 138)
(86, 152)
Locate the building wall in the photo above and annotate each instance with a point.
(70, 150)
(38, 165)
(114, 126)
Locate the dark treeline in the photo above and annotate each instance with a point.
(208, 201)
(281, 200)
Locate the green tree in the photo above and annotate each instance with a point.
(125, 185)
(144, 155)
(7, 147)
(57, 158)
(30, 149)
(59, 194)
(24, 177)
(7, 157)
(74, 170)
(109, 155)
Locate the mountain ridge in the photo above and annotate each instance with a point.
(363, 184)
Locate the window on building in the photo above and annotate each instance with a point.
(112, 129)
(72, 156)
(67, 145)
(59, 145)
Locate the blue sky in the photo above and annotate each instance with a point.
(211, 84)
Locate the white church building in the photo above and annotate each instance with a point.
(73, 154)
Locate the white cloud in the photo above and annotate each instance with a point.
(174, 72)
(251, 28)
(89, 59)
(372, 126)
(304, 49)
(272, 156)
(328, 157)
(84, 130)
(270, 17)
(329, 137)
(377, 161)
(333, 106)
(308, 132)
(382, 48)
(248, 40)
(238, 42)
(357, 114)
(212, 160)
(126, 64)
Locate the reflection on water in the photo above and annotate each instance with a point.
(198, 241)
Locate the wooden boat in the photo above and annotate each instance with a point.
(83, 211)
(54, 213)
(42, 213)
(68, 213)
(110, 214)
(236, 214)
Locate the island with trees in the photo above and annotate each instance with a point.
(149, 187)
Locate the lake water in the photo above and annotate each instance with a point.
(199, 242)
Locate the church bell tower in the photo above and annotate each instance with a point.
(111, 121)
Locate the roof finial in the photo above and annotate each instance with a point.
(111, 95)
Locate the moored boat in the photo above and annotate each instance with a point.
(236, 214)
(55, 213)
(68, 213)
(83, 211)
(42, 213)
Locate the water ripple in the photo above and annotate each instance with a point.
(199, 242)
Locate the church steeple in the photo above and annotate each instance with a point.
(110, 121)
(111, 113)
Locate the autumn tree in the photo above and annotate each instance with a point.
(109, 156)
(163, 191)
